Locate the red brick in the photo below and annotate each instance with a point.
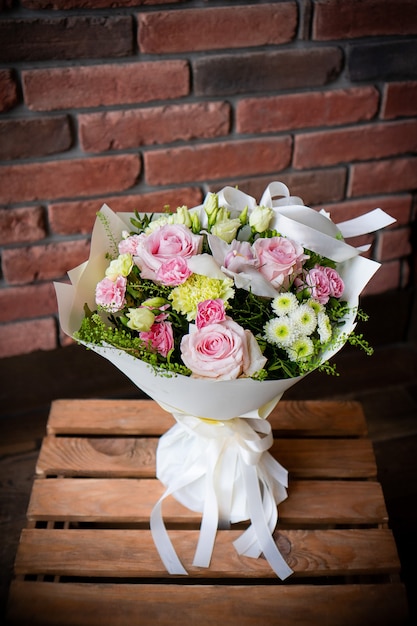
(117, 130)
(71, 37)
(352, 18)
(78, 217)
(387, 278)
(27, 301)
(216, 28)
(394, 244)
(303, 110)
(34, 137)
(399, 207)
(27, 336)
(400, 100)
(22, 225)
(312, 187)
(357, 143)
(70, 178)
(8, 91)
(217, 161)
(43, 262)
(97, 85)
(387, 176)
(65, 5)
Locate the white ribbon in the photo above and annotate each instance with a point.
(310, 228)
(222, 469)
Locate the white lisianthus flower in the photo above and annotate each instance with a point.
(284, 303)
(280, 331)
(211, 207)
(182, 216)
(226, 229)
(260, 218)
(305, 319)
(140, 319)
(122, 266)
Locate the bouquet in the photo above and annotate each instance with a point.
(214, 312)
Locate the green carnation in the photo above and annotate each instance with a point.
(198, 288)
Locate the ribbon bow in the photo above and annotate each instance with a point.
(228, 475)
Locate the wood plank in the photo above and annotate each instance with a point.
(117, 457)
(124, 457)
(131, 501)
(324, 458)
(207, 605)
(99, 457)
(124, 553)
(144, 417)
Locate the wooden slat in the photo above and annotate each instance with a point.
(131, 501)
(122, 457)
(96, 488)
(326, 458)
(132, 553)
(144, 417)
(208, 605)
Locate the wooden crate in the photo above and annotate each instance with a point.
(87, 556)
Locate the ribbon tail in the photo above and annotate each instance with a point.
(162, 541)
(260, 525)
(209, 522)
(159, 533)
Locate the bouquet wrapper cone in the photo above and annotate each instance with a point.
(215, 459)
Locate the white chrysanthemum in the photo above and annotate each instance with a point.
(324, 327)
(300, 349)
(280, 331)
(284, 303)
(305, 319)
(316, 306)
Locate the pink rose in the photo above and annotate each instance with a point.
(129, 245)
(221, 351)
(336, 283)
(279, 258)
(160, 337)
(210, 312)
(173, 272)
(111, 294)
(319, 284)
(165, 243)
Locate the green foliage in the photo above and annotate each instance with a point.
(94, 330)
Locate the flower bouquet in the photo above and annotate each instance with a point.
(214, 312)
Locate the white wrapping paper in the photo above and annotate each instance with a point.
(215, 459)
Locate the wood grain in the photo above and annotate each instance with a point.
(144, 417)
(123, 457)
(124, 553)
(131, 501)
(96, 604)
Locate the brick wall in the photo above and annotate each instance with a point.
(143, 103)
